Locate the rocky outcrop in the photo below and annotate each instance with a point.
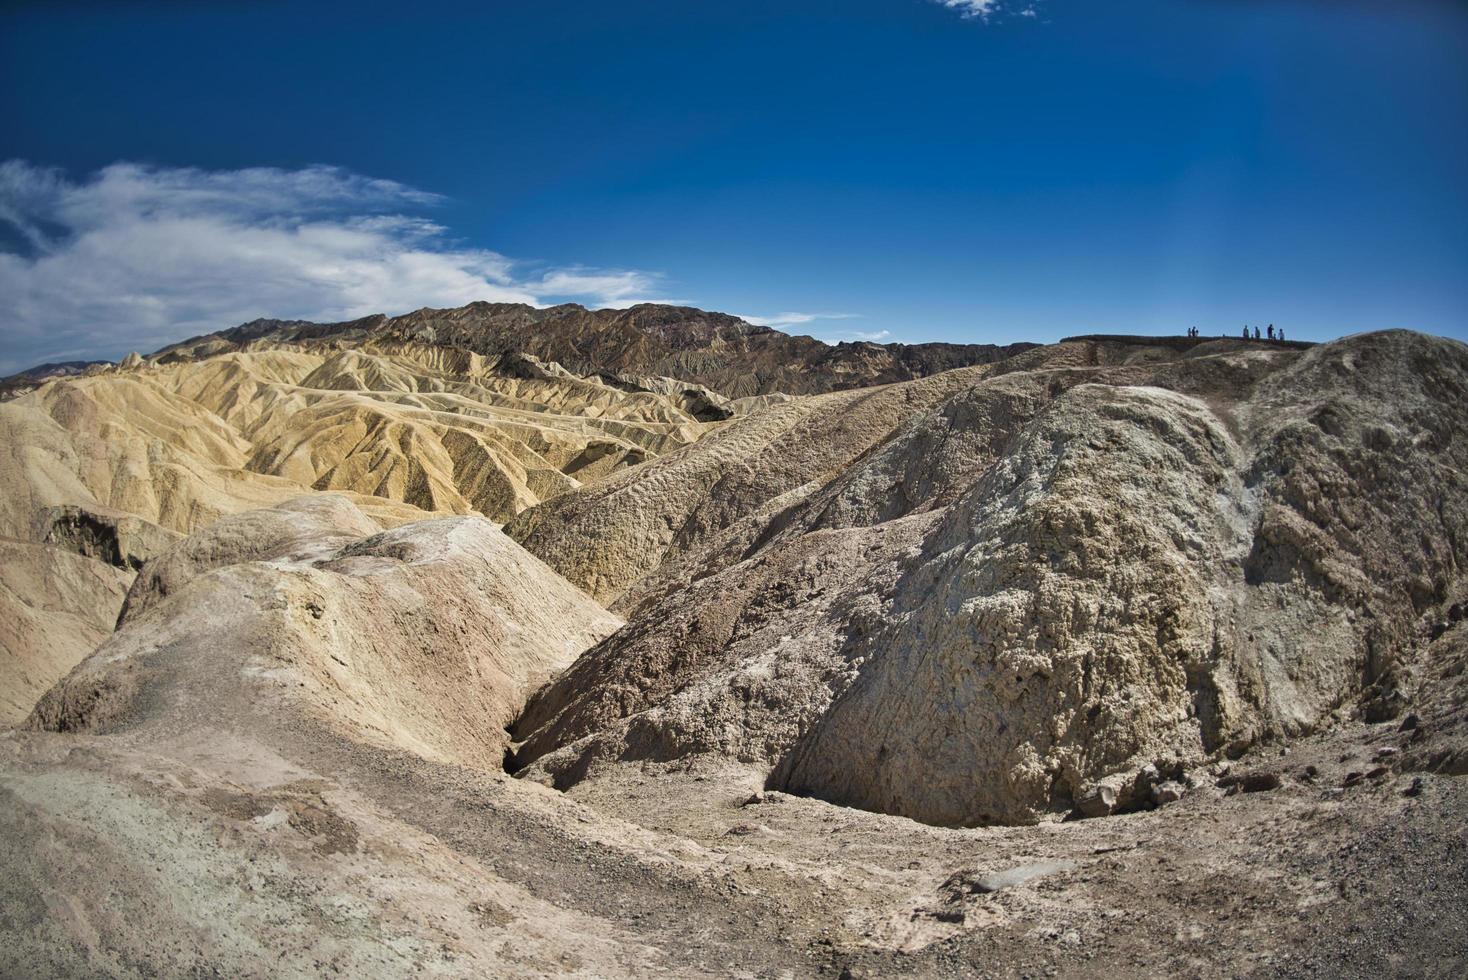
(1060, 573)
(1044, 636)
(56, 606)
(123, 540)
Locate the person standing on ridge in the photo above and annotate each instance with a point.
(1256, 333)
(1271, 331)
(1246, 331)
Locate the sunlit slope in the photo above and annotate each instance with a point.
(101, 471)
(427, 637)
(405, 428)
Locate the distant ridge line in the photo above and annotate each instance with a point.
(1178, 342)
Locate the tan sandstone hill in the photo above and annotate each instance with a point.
(55, 607)
(243, 651)
(113, 464)
(435, 429)
(426, 637)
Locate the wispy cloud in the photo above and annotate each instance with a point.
(614, 288)
(987, 9)
(970, 8)
(868, 336)
(784, 321)
(134, 257)
(793, 319)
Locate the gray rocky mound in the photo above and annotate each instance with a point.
(1059, 574)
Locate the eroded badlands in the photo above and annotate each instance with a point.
(390, 647)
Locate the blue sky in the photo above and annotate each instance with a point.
(906, 169)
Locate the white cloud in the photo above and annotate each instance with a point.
(784, 321)
(135, 257)
(970, 8)
(849, 336)
(985, 9)
(792, 319)
(613, 288)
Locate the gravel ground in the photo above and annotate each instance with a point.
(292, 851)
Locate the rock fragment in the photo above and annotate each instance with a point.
(1098, 801)
(1250, 782)
(1169, 791)
(965, 883)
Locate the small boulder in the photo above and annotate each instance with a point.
(1098, 801)
(1167, 792)
(1146, 778)
(1250, 782)
(1259, 782)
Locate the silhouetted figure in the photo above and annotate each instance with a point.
(1270, 331)
(1281, 333)
(1246, 331)
(1256, 333)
